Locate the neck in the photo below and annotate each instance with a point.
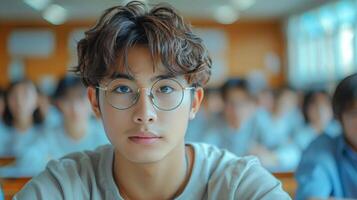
(75, 130)
(319, 128)
(164, 179)
(23, 124)
(234, 124)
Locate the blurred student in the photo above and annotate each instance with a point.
(50, 112)
(329, 165)
(233, 130)
(276, 119)
(76, 131)
(144, 69)
(22, 119)
(318, 117)
(210, 110)
(275, 124)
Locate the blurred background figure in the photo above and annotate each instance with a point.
(265, 100)
(22, 118)
(318, 119)
(211, 108)
(50, 112)
(76, 131)
(328, 165)
(276, 119)
(233, 130)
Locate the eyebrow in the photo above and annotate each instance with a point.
(132, 78)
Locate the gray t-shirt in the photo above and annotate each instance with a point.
(216, 174)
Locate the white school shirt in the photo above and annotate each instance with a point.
(216, 174)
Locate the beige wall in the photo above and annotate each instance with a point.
(249, 42)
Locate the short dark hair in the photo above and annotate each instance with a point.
(169, 39)
(233, 83)
(65, 84)
(345, 95)
(309, 98)
(2, 93)
(8, 118)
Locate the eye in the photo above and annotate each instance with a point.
(122, 89)
(166, 89)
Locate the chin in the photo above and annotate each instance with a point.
(145, 157)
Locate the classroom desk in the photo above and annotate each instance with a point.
(11, 186)
(288, 181)
(6, 161)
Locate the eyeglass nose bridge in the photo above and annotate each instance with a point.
(148, 92)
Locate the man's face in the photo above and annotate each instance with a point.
(320, 110)
(74, 106)
(238, 107)
(143, 133)
(23, 100)
(349, 122)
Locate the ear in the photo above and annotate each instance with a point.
(91, 93)
(196, 102)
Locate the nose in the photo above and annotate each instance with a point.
(145, 111)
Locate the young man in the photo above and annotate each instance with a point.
(328, 166)
(144, 69)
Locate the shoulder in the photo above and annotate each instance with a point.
(317, 172)
(81, 162)
(233, 177)
(320, 154)
(322, 147)
(71, 176)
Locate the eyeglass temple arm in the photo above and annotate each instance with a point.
(189, 88)
(102, 88)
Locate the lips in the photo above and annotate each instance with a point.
(144, 138)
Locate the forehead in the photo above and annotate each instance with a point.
(141, 67)
(23, 87)
(322, 97)
(74, 92)
(236, 94)
(139, 61)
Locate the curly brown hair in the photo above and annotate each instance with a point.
(169, 39)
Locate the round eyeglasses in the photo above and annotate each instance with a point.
(165, 94)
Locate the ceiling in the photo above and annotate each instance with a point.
(193, 9)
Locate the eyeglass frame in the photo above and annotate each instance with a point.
(137, 97)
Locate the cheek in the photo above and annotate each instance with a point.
(115, 121)
(175, 118)
(351, 128)
(29, 103)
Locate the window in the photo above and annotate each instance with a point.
(322, 44)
